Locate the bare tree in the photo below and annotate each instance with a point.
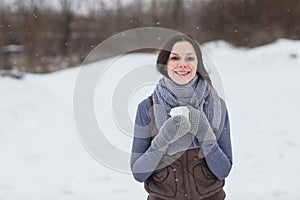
(67, 14)
(178, 13)
(154, 12)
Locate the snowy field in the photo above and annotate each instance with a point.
(42, 158)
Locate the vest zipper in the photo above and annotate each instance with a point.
(186, 180)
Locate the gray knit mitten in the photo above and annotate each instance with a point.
(200, 127)
(173, 128)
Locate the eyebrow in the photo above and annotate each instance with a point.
(178, 54)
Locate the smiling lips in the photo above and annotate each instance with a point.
(182, 73)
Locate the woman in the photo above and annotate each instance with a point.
(182, 156)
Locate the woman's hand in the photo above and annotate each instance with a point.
(173, 128)
(200, 125)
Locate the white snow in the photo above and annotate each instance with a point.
(41, 156)
(12, 48)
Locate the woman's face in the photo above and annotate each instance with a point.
(182, 63)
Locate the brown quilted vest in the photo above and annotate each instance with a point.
(185, 177)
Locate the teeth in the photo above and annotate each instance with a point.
(181, 73)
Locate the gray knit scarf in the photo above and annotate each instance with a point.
(168, 95)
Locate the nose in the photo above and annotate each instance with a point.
(182, 64)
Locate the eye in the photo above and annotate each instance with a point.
(190, 58)
(174, 58)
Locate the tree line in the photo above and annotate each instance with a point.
(52, 39)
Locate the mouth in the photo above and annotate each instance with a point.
(182, 72)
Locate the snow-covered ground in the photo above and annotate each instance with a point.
(41, 156)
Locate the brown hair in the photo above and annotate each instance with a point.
(165, 51)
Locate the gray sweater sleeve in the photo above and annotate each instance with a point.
(144, 159)
(219, 159)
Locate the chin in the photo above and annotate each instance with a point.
(181, 82)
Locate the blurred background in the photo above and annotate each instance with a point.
(42, 36)
(255, 45)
